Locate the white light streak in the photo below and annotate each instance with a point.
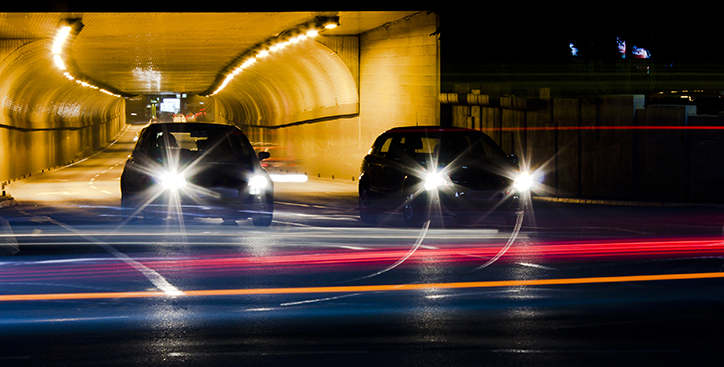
(59, 62)
(155, 278)
(60, 39)
(289, 178)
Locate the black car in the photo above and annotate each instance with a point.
(462, 172)
(199, 169)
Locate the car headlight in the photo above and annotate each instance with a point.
(173, 181)
(523, 182)
(257, 184)
(435, 180)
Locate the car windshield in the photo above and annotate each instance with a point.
(209, 144)
(448, 147)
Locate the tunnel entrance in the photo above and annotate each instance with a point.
(169, 106)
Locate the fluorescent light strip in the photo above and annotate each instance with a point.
(58, 44)
(277, 45)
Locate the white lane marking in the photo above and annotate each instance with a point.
(292, 223)
(305, 205)
(318, 300)
(15, 321)
(155, 278)
(352, 247)
(10, 244)
(530, 265)
(292, 204)
(414, 248)
(513, 236)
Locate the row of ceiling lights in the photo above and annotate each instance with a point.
(301, 33)
(60, 41)
(289, 38)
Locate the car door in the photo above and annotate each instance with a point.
(397, 166)
(375, 163)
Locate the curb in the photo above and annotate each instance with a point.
(625, 203)
(550, 199)
(6, 201)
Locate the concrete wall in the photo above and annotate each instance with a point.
(46, 120)
(400, 76)
(559, 137)
(395, 80)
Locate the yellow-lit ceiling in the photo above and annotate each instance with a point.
(146, 53)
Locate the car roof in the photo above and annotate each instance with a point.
(427, 129)
(188, 126)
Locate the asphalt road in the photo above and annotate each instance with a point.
(576, 285)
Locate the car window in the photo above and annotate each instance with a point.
(466, 145)
(385, 147)
(428, 145)
(487, 147)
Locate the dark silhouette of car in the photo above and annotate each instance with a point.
(462, 172)
(198, 169)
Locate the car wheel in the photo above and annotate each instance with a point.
(367, 213)
(263, 218)
(416, 210)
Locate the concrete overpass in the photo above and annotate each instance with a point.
(322, 98)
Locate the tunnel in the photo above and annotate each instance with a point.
(317, 101)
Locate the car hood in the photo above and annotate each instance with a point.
(483, 173)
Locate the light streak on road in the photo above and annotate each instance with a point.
(584, 128)
(365, 288)
(540, 255)
(155, 278)
(404, 258)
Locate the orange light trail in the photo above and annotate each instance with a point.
(364, 288)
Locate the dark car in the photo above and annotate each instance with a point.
(462, 172)
(199, 169)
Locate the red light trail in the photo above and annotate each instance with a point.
(583, 128)
(346, 260)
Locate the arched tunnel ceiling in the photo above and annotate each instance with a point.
(146, 53)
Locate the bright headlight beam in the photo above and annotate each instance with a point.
(173, 181)
(523, 182)
(257, 184)
(435, 180)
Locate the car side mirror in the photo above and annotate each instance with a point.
(264, 155)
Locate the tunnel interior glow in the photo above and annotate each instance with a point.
(48, 120)
(300, 83)
(326, 97)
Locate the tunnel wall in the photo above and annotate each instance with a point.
(400, 75)
(47, 120)
(386, 77)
